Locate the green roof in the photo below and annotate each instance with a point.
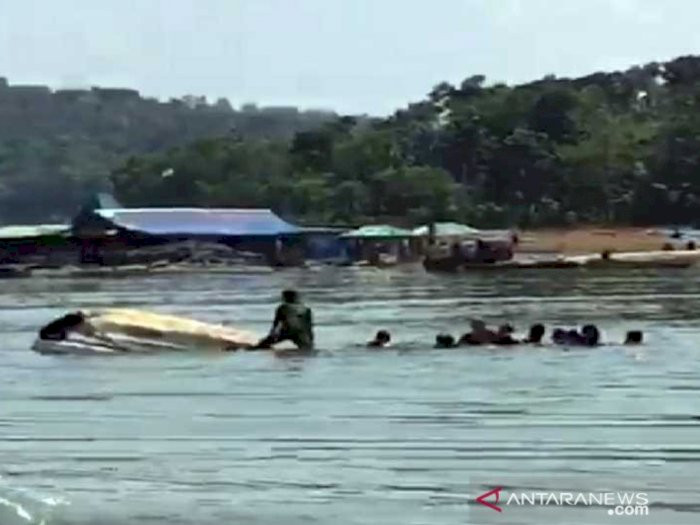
(40, 230)
(447, 229)
(378, 231)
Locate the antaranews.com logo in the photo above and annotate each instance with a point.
(627, 503)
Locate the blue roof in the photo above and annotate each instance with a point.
(198, 221)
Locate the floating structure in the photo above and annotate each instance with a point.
(631, 260)
(382, 245)
(323, 243)
(108, 234)
(447, 230)
(650, 259)
(43, 244)
(380, 232)
(108, 230)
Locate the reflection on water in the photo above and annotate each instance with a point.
(353, 436)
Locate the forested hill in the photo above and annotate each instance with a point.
(57, 147)
(621, 147)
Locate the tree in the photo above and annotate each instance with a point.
(620, 147)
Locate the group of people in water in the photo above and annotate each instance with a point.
(293, 322)
(480, 334)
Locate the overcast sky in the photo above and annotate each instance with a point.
(357, 56)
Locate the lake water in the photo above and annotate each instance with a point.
(404, 436)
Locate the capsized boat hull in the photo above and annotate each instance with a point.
(87, 346)
(117, 331)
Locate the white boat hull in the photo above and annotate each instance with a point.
(119, 331)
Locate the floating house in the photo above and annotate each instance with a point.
(104, 230)
(382, 243)
(43, 244)
(447, 230)
(324, 243)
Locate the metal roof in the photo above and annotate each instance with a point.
(447, 229)
(39, 230)
(329, 230)
(198, 221)
(379, 231)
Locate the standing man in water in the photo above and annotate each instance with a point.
(293, 322)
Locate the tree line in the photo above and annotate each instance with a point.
(608, 148)
(613, 148)
(59, 147)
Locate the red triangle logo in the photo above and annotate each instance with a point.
(495, 492)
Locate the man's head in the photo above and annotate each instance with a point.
(383, 337)
(591, 334)
(536, 333)
(59, 329)
(505, 329)
(73, 319)
(444, 341)
(634, 337)
(290, 296)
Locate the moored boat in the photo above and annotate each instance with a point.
(650, 259)
(502, 265)
(655, 259)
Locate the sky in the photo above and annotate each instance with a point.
(353, 56)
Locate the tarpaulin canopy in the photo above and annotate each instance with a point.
(225, 222)
(379, 231)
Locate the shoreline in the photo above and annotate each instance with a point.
(546, 242)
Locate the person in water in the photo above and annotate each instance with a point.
(480, 335)
(59, 329)
(573, 337)
(293, 322)
(381, 340)
(588, 336)
(445, 341)
(559, 336)
(634, 337)
(504, 335)
(535, 335)
(570, 337)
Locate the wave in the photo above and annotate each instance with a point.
(20, 506)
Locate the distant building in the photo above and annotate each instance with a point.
(325, 244)
(44, 244)
(101, 228)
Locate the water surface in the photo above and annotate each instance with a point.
(404, 436)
